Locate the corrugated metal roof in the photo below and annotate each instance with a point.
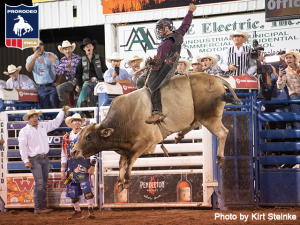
(59, 14)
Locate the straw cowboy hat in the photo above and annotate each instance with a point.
(76, 116)
(30, 113)
(213, 58)
(12, 68)
(66, 44)
(114, 56)
(240, 32)
(134, 57)
(196, 60)
(87, 41)
(186, 62)
(292, 52)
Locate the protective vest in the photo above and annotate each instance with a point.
(242, 61)
(86, 67)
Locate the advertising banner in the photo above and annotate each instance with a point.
(161, 188)
(120, 6)
(20, 192)
(212, 35)
(282, 10)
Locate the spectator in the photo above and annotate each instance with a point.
(183, 66)
(89, 71)
(44, 75)
(34, 148)
(67, 65)
(210, 64)
(115, 74)
(77, 186)
(17, 80)
(291, 77)
(197, 65)
(135, 63)
(236, 60)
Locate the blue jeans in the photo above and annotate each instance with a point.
(283, 124)
(295, 108)
(40, 172)
(48, 97)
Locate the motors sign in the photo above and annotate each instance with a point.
(282, 9)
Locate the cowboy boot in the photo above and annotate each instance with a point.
(156, 117)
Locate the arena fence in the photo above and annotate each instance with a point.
(16, 186)
(277, 157)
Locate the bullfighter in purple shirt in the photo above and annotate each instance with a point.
(168, 54)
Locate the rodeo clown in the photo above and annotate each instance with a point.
(79, 170)
(165, 64)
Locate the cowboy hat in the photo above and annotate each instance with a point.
(30, 113)
(292, 52)
(196, 60)
(240, 32)
(76, 116)
(186, 62)
(87, 41)
(66, 44)
(12, 68)
(212, 57)
(134, 57)
(114, 56)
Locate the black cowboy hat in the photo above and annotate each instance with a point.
(88, 41)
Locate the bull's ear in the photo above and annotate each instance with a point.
(106, 132)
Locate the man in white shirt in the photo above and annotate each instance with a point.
(236, 59)
(17, 80)
(34, 147)
(135, 63)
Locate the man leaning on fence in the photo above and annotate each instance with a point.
(291, 78)
(34, 148)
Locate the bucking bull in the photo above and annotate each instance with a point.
(187, 103)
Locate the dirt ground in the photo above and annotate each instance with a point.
(158, 216)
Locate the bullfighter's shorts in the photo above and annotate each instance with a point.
(76, 189)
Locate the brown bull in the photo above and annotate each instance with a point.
(187, 103)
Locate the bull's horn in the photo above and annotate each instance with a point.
(97, 126)
(106, 132)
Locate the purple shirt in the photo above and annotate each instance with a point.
(166, 47)
(62, 68)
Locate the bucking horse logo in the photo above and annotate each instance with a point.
(22, 24)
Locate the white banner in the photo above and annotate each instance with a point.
(212, 35)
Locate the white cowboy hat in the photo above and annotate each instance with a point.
(186, 62)
(76, 116)
(240, 32)
(213, 58)
(196, 60)
(12, 68)
(292, 52)
(30, 113)
(65, 44)
(114, 56)
(134, 57)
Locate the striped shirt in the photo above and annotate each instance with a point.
(291, 80)
(62, 68)
(239, 57)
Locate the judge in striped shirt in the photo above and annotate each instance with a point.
(236, 59)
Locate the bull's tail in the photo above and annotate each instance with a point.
(227, 98)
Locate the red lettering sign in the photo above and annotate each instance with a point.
(24, 185)
(127, 88)
(243, 82)
(28, 95)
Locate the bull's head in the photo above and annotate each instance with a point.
(92, 139)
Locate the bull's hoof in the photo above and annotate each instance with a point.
(121, 187)
(220, 161)
(178, 139)
(127, 184)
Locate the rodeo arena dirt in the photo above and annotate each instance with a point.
(150, 112)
